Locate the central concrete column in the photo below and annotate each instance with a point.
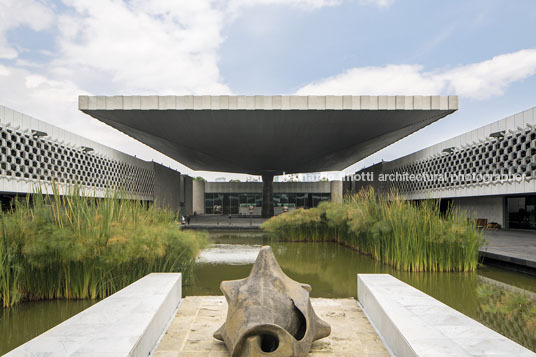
(267, 195)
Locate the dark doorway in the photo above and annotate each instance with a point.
(521, 212)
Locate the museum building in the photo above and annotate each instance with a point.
(489, 172)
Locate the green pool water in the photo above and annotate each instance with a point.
(329, 268)
(27, 320)
(332, 269)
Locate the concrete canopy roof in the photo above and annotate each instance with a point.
(268, 134)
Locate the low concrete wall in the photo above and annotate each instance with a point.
(412, 323)
(127, 323)
(489, 207)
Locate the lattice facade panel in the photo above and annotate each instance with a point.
(33, 157)
(515, 153)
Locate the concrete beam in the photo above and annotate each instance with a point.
(273, 102)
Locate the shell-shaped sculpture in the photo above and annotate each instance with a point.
(269, 313)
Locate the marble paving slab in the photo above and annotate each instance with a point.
(190, 333)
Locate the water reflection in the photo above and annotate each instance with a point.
(27, 320)
(232, 254)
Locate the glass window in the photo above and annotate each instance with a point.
(218, 203)
(301, 200)
(226, 204)
(258, 199)
(209, 203)
(233, 200)
(277, 199)
(218, 199)
(292, 198)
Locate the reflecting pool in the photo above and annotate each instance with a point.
(331, 270)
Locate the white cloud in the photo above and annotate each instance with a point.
(307, 4)
(138, 46)
(142, 47)
(388, 80)
(15, 13)
(159, 46)
(3, 71)
(233, 6)
(312, 3)
(378, 3)
(490, 78)
(480, 80)
(50, 100)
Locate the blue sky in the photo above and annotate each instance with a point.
(52, 51)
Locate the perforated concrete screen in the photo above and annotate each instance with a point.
(513, 154)
(32, 156)
(497, 159)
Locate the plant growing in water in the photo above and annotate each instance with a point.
(397, 232)
(75, 247)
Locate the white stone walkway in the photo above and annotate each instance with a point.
(190, 333)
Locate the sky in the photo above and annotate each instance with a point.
(484, 51)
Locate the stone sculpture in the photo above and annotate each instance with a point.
(269, 313)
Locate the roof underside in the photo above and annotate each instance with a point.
(260, 134)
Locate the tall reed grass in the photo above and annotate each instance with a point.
(74, 247)
(402, 234)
